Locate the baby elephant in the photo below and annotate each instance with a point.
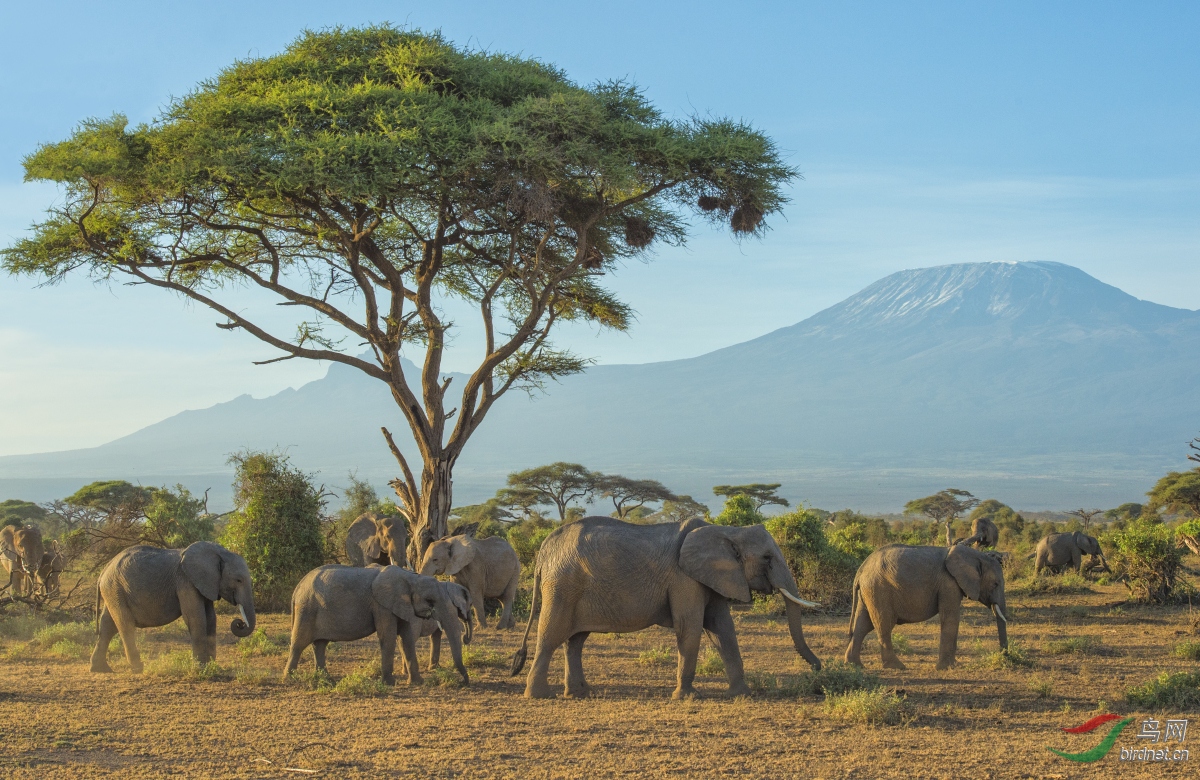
(343, 603)
(458, 596)
(1060, 550)
(902, 584)
(487, 568)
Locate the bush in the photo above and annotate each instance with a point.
(365, 680)
(69, 649)
(276, 525)
(1189, 651)
(483, 658)
(527, 536)
(443, 677)
(739, 510)
(872, 707)
(1068, 584)
(1079, 645)
(824, 573)
(1144, 552)
(75, 633)
(181, 665)
(834, 678)
(1167, 692)
(1188, 535)
(710, 664)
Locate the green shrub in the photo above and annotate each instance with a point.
(710, 664)
(364, 680)
(851, 540)
(1041, 688)
(1068, 584)
(258, 644)
(901, 644)
(834, 678)
(443, 677)
(316, 680)
(1168, 691)
(253, 675)
(1189, 651)
(276, 525)
(740, 510)
(69, 649)
(1144, 551)
(77, 633)
(875, 707)
(771, 604)
(526, 537)
(823, 573)
(656, 656)
(21, 623)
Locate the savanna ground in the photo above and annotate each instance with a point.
(986, 718)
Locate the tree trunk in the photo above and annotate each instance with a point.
(434, 504)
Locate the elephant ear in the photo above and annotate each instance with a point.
(462, 552)
(457, 595)
(966, 567)
(710, 556)
(393, 591)
(371, 548)
(202, 563)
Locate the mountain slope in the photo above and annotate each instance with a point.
(1032, 382)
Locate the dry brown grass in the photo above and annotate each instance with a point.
(242, 721)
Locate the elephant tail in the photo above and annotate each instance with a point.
(518, 662)
(855, 605)
(97, 612)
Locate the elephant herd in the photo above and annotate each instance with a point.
(596, 575)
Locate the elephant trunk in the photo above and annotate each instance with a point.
(781, 579)
(1001, 624)
(451, 626)
(244, 626)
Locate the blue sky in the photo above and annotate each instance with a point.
(927, 133)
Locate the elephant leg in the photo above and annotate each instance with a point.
(948, 645)
(1039, 563)
(574, 685)
(128, 632)
(301, 638)
(210, 630)
(506, 600)
(386, 627)
(319, 654)
(1076, 559)
(477, 603)
(884, 623)
(435, 650)
(408, 644)
(195, 609)
(721, 632)
(688, 630)
(858, 634)
(553, 630)
(106, 630)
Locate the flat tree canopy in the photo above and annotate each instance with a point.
(943, 506)
(760, 493)
(366, 176)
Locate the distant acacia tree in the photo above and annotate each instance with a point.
(1178, 493)
(629, 494)
(759, 493)
(558, 484)
(943, 507)
(1086, 516)
(1125, 512)
(14, 511)
(365, 177)
(679, 509)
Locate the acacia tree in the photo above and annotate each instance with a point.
(761, 494)
(629, 494)
(943, 507)
(368, 176)
(1086, 516)
(559, 484)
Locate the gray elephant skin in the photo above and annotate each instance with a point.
(601, 574)
(380, 539)
(22, 549)
(487, 568)
(901, 584)
(461, 600)
(984, 533)
(143, 587)
(337, 603)
(51, 569)
(1060, 550)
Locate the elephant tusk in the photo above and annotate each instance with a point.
(242, 610)
(999, 613)
(799, 600)
(439, 625)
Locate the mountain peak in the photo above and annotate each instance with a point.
(985, 294)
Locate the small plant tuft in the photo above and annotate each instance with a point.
(655, 656)
(1041, 688)
(1015, 656)
(258, 644)
(484, 658)
(443, 677)
(180, 665)
(1079, 645)
(68, 649)
(1168, 691)
(710, 664)
(874, 707)
(1189, 651)
(364, 680)
(316, 680)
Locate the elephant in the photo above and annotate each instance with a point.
(22, 549)
(337, 603)
(378, 539)
(984, 533)
(1058, 550)
(145, 586)
(487, 568)
(901, 584)
(458, 596)
(603, 574)
(49, 572)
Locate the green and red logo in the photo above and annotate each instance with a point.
(1106, 744)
